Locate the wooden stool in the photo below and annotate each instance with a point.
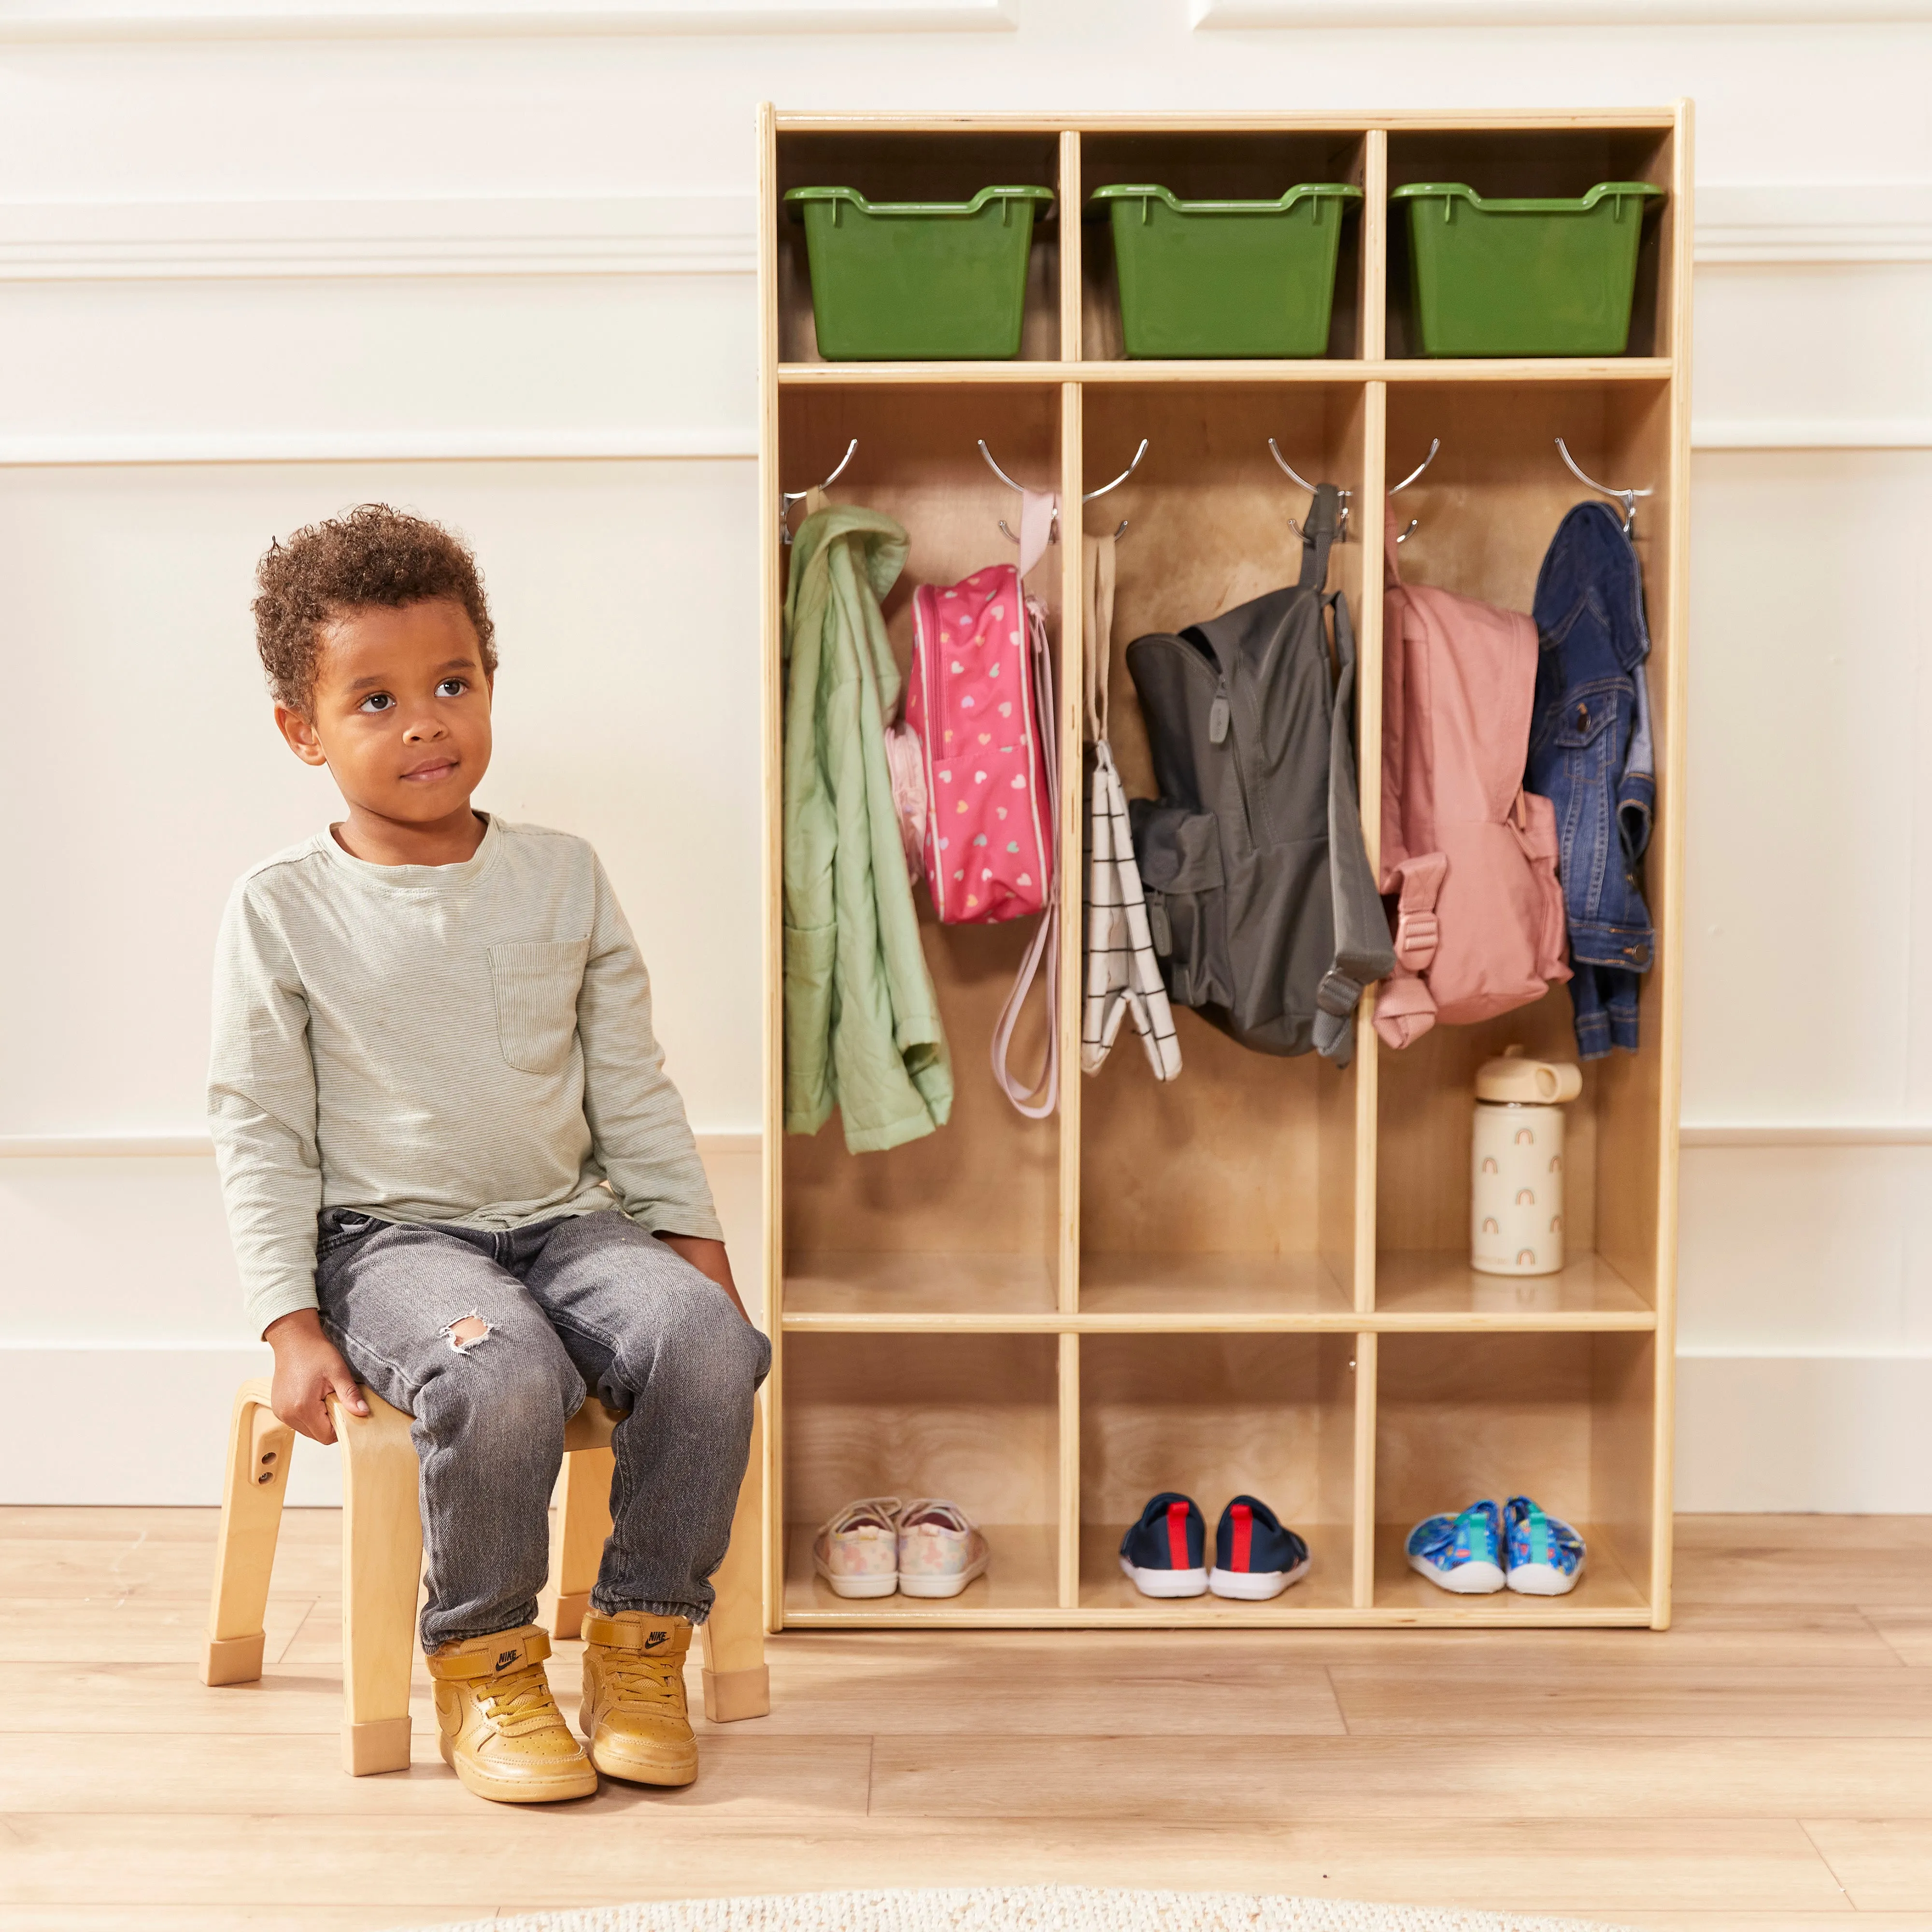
(382, 1566)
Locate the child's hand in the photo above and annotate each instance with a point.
(308, 1370)
(710, 1259)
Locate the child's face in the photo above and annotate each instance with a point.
(401, 711)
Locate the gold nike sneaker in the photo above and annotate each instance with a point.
(499, 1727)
(634, 1711)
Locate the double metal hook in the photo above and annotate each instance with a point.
(788, 497)
(1627, 498)
(1295, 476)
(1434, 444)
(1090, 497)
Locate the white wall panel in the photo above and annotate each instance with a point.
(1806, 869)
(1850, 342)
(1807, 1252)
(138, 748)
(350, 355)
(1845, 1434)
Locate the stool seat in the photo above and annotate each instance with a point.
(382, 1565)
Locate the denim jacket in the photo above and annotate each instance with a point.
(1590, 754)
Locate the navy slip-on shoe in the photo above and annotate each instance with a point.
(1165, 1553)
(1254, 1556)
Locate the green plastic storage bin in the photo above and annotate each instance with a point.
(1523, 277)
(917, 280)
(1208, 278)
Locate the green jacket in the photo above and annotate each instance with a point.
(862, 1023)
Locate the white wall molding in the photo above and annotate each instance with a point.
(1812, 433)
(415, 19)
(608, 235)
(1739, 225)
(1761, 222)
(479, 445)
(1805, 1133)
(1646, 13)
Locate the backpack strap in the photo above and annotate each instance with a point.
(1039, 1099)
(1318, 532)
(1362, 954)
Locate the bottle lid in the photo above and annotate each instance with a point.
(1539, 1083)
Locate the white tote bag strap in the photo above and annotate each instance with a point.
(1038, 1099)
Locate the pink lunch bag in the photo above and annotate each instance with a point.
(978, 698)
(979, 703)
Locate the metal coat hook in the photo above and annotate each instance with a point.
(1628, 498)
(1434, 444)
(1295, 476)
(1088, 497)
(788, 497)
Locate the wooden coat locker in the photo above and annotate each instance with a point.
(1280, 1301)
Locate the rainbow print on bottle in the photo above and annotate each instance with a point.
(1516, 1195)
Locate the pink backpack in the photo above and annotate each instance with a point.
(1468, 855)
(979, 698)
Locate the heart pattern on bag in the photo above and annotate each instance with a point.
(956, 681)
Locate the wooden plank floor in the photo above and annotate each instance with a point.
(1766, 1764)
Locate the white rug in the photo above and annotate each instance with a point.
(1030, 1908)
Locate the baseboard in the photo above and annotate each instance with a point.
(1848, 1435)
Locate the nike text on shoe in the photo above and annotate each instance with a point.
(1546, 1556)
(1165, 1553)
(1462, 1553)
(1254, 1557)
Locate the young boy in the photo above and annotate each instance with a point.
(455, 1171)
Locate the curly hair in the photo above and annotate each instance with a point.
(374, 556)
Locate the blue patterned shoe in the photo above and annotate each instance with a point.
(1546, 1556)
(1462, 1553)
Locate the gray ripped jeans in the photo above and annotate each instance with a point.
(584, 1302)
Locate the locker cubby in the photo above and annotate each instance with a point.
(1566, 1419)
(1543, 162)
(1485, 510)
(1216, 1417)
(885, 165)
(971, 1417)
(1255, 1278)
(1243, 1170)
(965, 1220)
(1244, 165)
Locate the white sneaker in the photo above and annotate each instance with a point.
(857, 1552)
(939, 1551)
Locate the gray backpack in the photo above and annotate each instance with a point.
(1263, 909)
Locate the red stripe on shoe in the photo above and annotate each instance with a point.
(1244, 1536)
(1177, 1536)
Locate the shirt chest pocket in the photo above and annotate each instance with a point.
(535, 985)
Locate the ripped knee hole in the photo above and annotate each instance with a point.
(467, 1331)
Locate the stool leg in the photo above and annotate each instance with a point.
(259, 1448)
(737, 1682)
(382, 1572)
(578, 1532)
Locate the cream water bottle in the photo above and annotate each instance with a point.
(1515, 1215)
